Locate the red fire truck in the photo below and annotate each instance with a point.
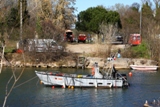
(135, 39)
(68, 36)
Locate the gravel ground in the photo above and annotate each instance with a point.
(89, 48)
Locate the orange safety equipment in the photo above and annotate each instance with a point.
(93, 71)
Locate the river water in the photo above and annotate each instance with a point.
(30, 93)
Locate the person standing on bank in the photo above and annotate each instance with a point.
(119, 53)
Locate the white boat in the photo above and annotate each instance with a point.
(144, 67)
(98, 80)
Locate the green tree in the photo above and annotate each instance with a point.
(147, 12)
(13, 19)
(157, 13)
(90, 19)
(147, 17)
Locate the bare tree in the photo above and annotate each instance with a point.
(156, 2)
(64, 13)
(129, 16)
(3, 6)
(120, 8)
(34, 6)
(2, 53)
(108, 31)
(146, 1)
(3, 33)
(46, 12)
(153, 40)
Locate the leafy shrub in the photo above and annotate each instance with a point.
(9, 50)
(140, 51)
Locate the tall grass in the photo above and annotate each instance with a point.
(100, 50)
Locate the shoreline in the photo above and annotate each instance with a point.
(120, 63)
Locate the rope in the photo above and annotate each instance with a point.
(25, 82)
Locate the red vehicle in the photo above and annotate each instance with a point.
(82, 38)
(135, 39)
(68, 36)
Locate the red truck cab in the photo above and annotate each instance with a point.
(82, 38)
(135, 39)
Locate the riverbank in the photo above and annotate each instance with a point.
(82, 50)
(121, 63)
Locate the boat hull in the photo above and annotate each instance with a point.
(144, 68)
(78, 81)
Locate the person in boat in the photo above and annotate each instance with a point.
(93, 72)
(93, 69)
(114, 71)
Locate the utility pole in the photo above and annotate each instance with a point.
(140, 20)
(21, 18)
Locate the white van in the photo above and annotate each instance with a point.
(41, 45)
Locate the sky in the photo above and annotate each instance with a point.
(85, 4)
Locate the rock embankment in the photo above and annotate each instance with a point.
(121, 63)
